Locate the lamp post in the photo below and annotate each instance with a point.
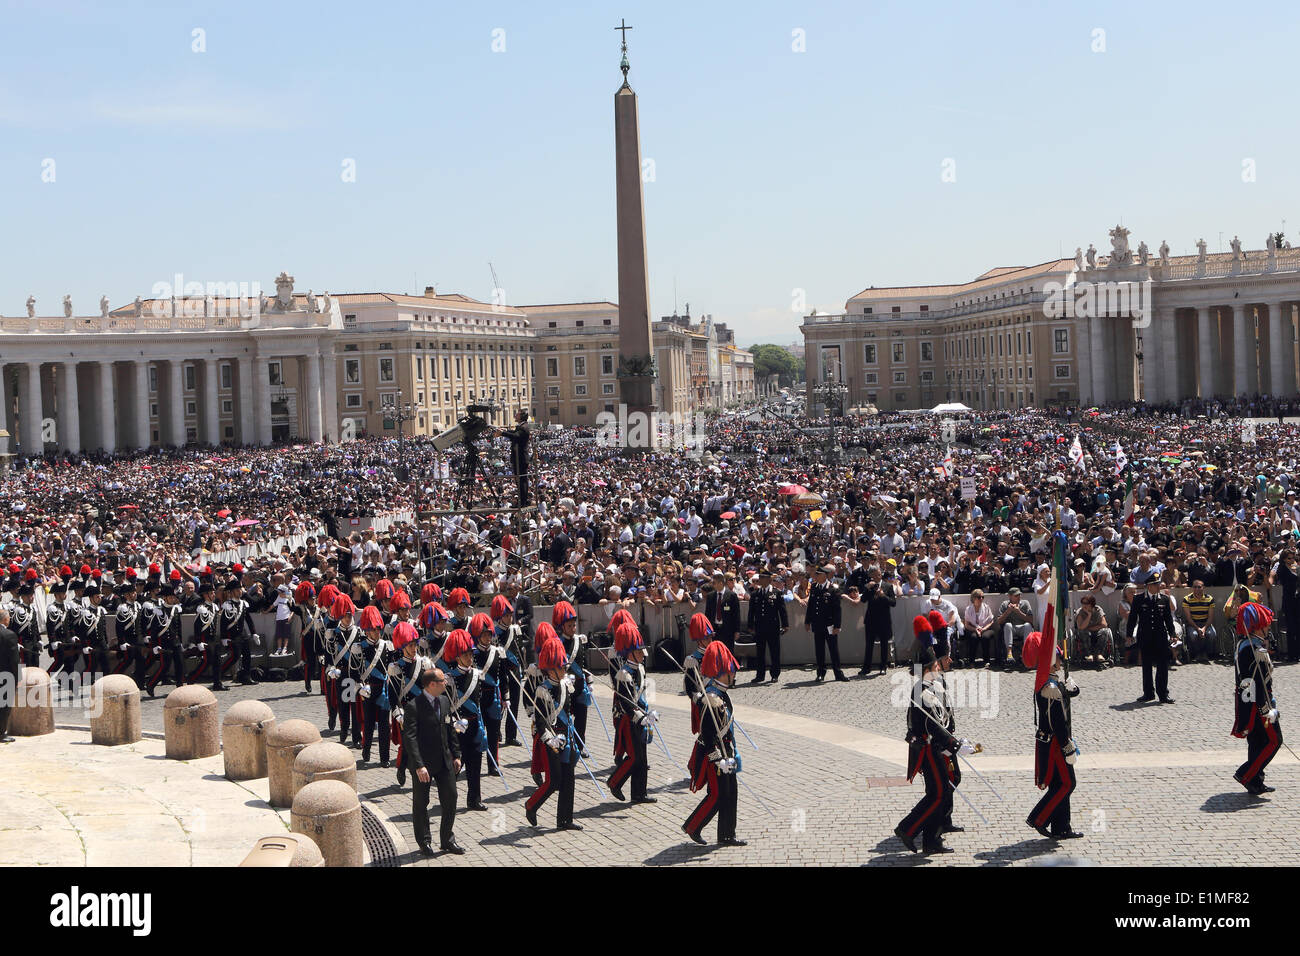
(401, 412)
(827, 392)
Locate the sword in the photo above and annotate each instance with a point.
(664, 747)
(497, 768)
(980, 775)
(754, 795)
(595, 703)
(957, 790)
(528, 697)
(735, 723)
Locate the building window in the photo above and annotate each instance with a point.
(1060, 341)
(1029, 350)
(419, 370)
(870, 378)
(580, 391)
(900, 352)
(153, 409)
(460, 368)
(153, 381)
(927, 351)
(227, 407)
(552, 391)
(226, 382)
(480, 366)
(552, 368)
(550, 325)
(580, 366)
(230, 431)
(1062, 371)
(605, 322)
(352, 371)
(352, 401)
(350, 321)
(191, 434)
(927, 378)
(607, 388)
(582, 409)
(869, 354)
(867, 310)
(189, 378)
(896, 309)
(387, 371)
(514, 365)
(554, 411)
(273, 373)
(900, 398)
(900, 378)
(607, 365)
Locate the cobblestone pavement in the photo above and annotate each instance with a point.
(1155, 784)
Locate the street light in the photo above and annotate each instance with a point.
(832, 391)
(401, 412)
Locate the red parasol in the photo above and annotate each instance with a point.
(791, 490)
(728, 515)
(223, 513)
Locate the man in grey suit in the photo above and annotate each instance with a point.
(432, 750)
(9, 672)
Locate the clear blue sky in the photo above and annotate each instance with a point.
(774, 170)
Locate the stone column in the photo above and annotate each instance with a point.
(32, 412)
(107, 408)
(330, 393)
(1206, 354)
(247, 432)
(176, 395)
(1101, 359)
(1153, 372)
(143, 438)
(1082, 349)
(1276, 350)
(312, 363)
(1243, 348)
(69, 427)
(6, 406)
(211, 404)
(262, 399)
(1162, 342)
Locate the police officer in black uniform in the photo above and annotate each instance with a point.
(25, 624)
(235, 625)
(768, 621)
(91, 625)
(823, 619)
(63, 646)
(1152, 617)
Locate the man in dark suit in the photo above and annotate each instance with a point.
(768, 621)
(9, 670)
(722, 607)
(432, 756)
(1152, 617)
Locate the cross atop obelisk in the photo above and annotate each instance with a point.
(624, 66)
(636, 359)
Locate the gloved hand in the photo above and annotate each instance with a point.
(1071, 752)
(966, 747)
(1070, 685)
(394, 670)
(203, 647)
(365, 691)
(333, 673)
(54, 646)
(727, 765)
(257, 639)
(462, 725)
(225, 642)
(124, 647)
(1271, 716)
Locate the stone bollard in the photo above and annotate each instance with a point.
(33, 713)
(329, 812)
(190, 723)
(243, 733)
(324, 761)
(114, 711)
(283, 743)
(286, 850)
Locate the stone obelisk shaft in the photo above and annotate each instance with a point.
(635, 347)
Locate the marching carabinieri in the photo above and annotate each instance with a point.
(564, 619)
(488, 660)
(63, 647)
(24, 621)
(458, 605)
(633, 720)
(400, 606)
(126, 625)
(311, 633)
(235, 628)
(701, 634)
(92, 630)
(435, 625)
(1256, 707)
(532, 680)
(371, 669)
(204, 642)
(458, 662)
(404, 683)
(341, 692)
(510, 636)
(717, 742)
(932, 750)
(553, 728)
(1054, 749)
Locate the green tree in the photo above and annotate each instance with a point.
(769, 359)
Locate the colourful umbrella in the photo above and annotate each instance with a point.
(728, 515)
(223, 513)
(791, 490)
(245, 523)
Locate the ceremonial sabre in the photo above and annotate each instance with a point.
(734, 721)
(497, 767)
(599, 793)
(957, 790)
(978, 774)
(595, 703)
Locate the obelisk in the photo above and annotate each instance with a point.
(636, 368)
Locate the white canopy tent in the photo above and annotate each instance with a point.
(950, 408)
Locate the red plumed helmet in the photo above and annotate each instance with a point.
(936, 620)
(66, 572)
(1032, 649)
(155, 571)
(328, 595)
(31, 574)
(552, 656)
(432, 614)
(403, 633)
(458, 642)
(400, 599)
(921, 625)
(1252, 617)
(479, 623)
(458, 596)
(430, 593)
(304, 592)
(562, 612)
(383, 589)
(501, 606)
(717, 660)
(371, 620)
(621, 616)
(96, 574)
(131, 573)
(174, 576)
(627, 639)
(342, 607)
(544, 633)
(701, 629)
(237, 568)
(85, 569)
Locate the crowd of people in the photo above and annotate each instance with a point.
(1149, 504)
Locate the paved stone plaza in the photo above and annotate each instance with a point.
(1155, 783)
